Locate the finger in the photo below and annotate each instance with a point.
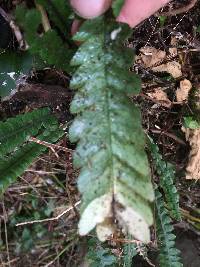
(75, 26)
(90, 9)
(135, 11)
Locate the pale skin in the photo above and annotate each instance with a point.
(133, 11)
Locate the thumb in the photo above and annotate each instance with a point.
(135, 11)
(89, 9)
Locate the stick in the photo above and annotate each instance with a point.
(51, 146)
(50, 219)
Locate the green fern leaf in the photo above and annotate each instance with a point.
(114, 178)
(48, 47)
(169, 256)
(129, 251)
(16, 63)
(191, 122)
(15, 131)
(58, 11)
(117, 6)
(99, 255)
(167, 177)
(14, 165)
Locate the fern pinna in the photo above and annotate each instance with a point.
(15, 154)
(114, 175)
(169, 256)
(167, 176)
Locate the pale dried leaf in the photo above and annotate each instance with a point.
(159, 95)
(96, 212)
(134, 224)
(172, 67)
(173, 51)
(105, 230)
(151, 56)
(183, 92)
(99, 213)
(174, 40)
(193, 166)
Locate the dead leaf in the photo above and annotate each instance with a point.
(172, 67)
(183, 92)
(193, 167)
(159, 95)
(105, 230)
(151, 57)
(173, 51)
(174, 40)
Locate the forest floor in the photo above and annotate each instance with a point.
(38, 214)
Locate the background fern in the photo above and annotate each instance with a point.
(15, 131)
(129, 251)
(167, 179)
(114, 178)
(191, 122)
(48, 48)
(169, 256)
(15, 154)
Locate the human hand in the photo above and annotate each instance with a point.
(133, 12)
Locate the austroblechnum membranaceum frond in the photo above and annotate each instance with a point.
(169, 256)
(167, 181)
(114, 175)
(15, 153)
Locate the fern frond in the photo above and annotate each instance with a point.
(169, 256)
(167, 177)
(14, 165)
(129, 251)
(16, 131)
(49, 48)
(191, 122)
(114, 179)
(100, 255)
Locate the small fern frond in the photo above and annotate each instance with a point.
(129, 251)
(100, 255)
(15, 131)
(191, 122)
(14, 165)
(169, 256)
(167, 178)
(15, 154)
(114, 179)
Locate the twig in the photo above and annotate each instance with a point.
(6, 233)
(178, 10)
(51, 146)
(130, 241)
(22, 43)
(58, 256)
(45, 21)
(50, 219)
(9, 262)
(171, 135)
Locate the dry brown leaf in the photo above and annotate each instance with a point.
(173, 51)
(151, 57)
(172, 67)
(159, 95)
(183, 92)
(193, 167)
